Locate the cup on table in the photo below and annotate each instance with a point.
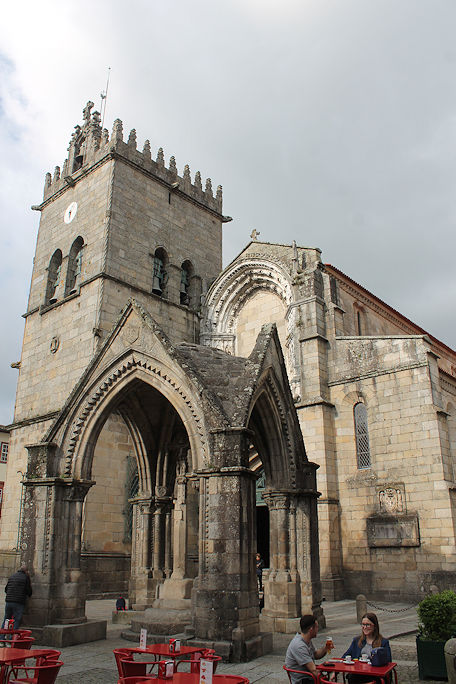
(364, 658)
(329, 643)
(348, 659)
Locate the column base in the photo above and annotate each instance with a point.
(283, 625)
(70, 634)
(332, 588)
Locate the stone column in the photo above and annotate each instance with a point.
(51, 549)
(281, 587)
(225, 598)
(178, 587)
(142, 587)
(180, 530)
(292, 587)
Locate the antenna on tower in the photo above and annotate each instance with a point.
(104, 97)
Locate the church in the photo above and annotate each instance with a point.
(173, 419)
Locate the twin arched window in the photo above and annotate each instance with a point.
(55, 288)
(187, 292)
(361, 436)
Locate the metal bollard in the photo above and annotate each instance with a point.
(361, 606)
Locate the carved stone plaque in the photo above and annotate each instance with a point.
(393, 530)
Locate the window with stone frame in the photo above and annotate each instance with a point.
(74, 266)
(160, 275)
(54, 275)
(361, 436)
(3, 452)
(184, 290)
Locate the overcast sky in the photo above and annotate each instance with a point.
(329, 122)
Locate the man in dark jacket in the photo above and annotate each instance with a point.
(17, 589)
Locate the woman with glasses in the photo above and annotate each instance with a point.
(363, 644)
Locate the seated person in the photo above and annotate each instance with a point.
(120, 604)
(369, 638)
(301, 652)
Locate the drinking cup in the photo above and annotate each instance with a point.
(329, 643)
(348, 659)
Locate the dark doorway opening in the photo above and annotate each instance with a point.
(262, 519)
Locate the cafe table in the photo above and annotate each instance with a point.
(357, 667)
(9, 656)
(163, 652)
(189, 678)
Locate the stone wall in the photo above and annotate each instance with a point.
(107, 574)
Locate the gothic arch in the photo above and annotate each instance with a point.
(107, 392)
(277, 436)
(232, 289)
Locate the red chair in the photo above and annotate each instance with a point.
(196, 661)
(302, 672)
(51, 656)
(122, 654)
(34, 674)
(140, 668)
(135, 680)
(23, 642)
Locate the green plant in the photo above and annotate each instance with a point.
(437, 616)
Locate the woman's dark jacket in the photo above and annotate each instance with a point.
(355, 650)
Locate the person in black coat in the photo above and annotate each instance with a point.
(18, 589)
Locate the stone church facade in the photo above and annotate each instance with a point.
(172, 418)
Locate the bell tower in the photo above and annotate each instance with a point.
(115, 224)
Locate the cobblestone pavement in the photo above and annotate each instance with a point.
(94, 663)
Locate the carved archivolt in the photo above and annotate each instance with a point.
(92, 404)
(237, 284)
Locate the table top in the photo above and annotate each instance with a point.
(356, 666)
(194, 678)
(12, 631)
(163, 650)
(11, 655)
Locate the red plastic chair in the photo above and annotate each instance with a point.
(196, 662)
(133, 668)
(23, 642)
(51, 656)
(35, 674)
(122, 654)
(302, 672)
(135, 680)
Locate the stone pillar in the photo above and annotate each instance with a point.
(281, 585)
(178, 587)
(51, 549)
(292, 585)
(168, 533)
(142, 587)
(225, 598)
(180, 531)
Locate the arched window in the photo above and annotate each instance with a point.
(362, 436)
(54, 275)
(360, 319)
(160, 277)
(74, 266)
(184, 290)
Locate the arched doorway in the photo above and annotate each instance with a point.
(139, 504)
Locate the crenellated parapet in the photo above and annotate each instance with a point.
(90, 144)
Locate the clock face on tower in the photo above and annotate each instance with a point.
(70, 212)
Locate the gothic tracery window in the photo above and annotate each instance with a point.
(362, 436)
